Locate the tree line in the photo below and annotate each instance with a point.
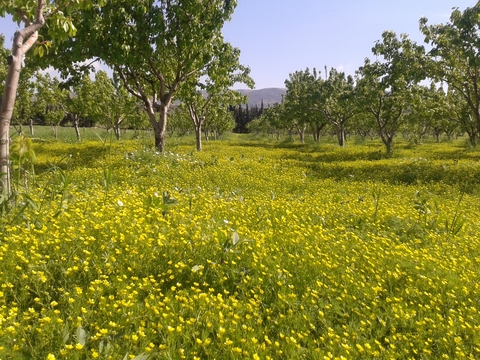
(406, 89)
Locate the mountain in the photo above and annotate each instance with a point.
(269, 96)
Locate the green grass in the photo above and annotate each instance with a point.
(253, 248)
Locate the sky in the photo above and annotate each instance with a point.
(279, 37)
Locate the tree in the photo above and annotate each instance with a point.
(219, 120)
(113, 105)
(210, 91)
(301, 99)
(428, 112)
(455, 54)
(271, 120)
(384, 87)
(458, 112)
(154, 47)
(338, 101)
(78, 103)
(49, 97)
(179, 121)
(34, 15)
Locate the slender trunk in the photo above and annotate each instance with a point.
(76, 124)
(116, 130)
(314, 132)
(55, 131)
(116, 127)
(32, 131)
(472, 136)
(161, 129)
(6, 111)
(301, 133)
(340, 128)
(388, 141)
(198, 135)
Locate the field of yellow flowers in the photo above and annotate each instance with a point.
(247, 250)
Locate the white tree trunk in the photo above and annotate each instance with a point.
(23, 40)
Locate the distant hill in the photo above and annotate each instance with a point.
(269, 96)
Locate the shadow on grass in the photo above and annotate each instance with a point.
(73, 156)
(455, 165)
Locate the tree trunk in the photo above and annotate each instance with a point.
(116, 130)
(32, 131)
(340, 128)
(314, 132)
(198, 136)
(449, 134)
(472, 136)
(316, 129)
(76, 124)
(6, 111)
(301, 133)
(161, 129)
(55, 131)
(388, 141)
(23, 40)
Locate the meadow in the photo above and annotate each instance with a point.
(251, 249)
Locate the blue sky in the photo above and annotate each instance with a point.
(279, 37)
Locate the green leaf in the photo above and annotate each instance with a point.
(81, 335)
(66, 334)
(142, 356)
(235, 238)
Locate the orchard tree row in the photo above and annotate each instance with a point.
(101, 101)
(390, 95)
(160, 51)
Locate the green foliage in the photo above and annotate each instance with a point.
(302, 105)
(23, 159)
(155, 48)
(3, 61)
(454, 57)
(385, 87)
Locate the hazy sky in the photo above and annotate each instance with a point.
(279, 37)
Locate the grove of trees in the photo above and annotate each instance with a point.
(159, 51)
(410, 89)
(169, 58)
